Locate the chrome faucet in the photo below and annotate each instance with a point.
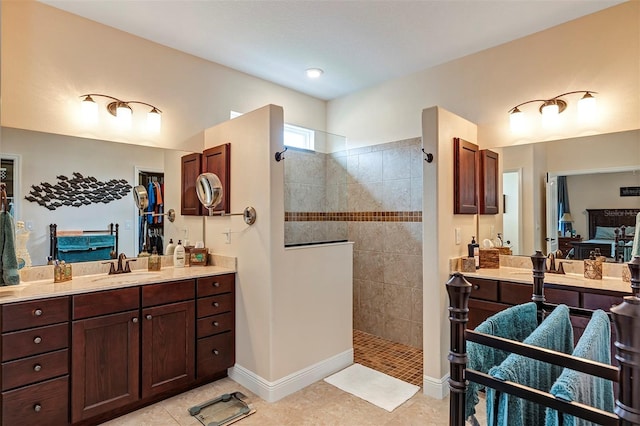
(120, 270)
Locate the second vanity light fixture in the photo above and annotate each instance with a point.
(551, 109)
(121, 110)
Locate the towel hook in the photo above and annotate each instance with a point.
(429, 156)
(280, 155)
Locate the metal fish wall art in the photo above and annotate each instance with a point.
(77, 191)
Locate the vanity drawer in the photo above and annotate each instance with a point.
(483, 289)
(215, 354)
(558, 296)
(34, 369)
(34, 341)
(514, 293)
(35, 313)
(215, 305)
(480, 310)
(105, 302)
(43, 404)
(216, 285)
(215, 324)
(600, 301)
(161, 294)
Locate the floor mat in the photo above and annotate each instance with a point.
(377, 388)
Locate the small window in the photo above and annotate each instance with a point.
(294, 136)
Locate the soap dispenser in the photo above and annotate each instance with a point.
(178, 256)
(170, 248)
(154, 263)
(474, 251)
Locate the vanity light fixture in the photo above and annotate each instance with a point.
(121, 110)
(551, 109)
(314, 72)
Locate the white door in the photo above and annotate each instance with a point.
(552, 214)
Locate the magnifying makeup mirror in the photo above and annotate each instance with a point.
(141, 199)
(210, 193)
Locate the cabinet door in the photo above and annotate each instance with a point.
(218, 160)
(488, 182)
(105, 364)
(189, 203)
(465, 172)
(168, 347)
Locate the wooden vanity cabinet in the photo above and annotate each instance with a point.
(168, 337)
(465, 175)
(215, 325)
(190, 168)
(488, 183)
(489, 297)
(106, 347)
(35, 362)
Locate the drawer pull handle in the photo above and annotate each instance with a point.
(216, 284)
(37, 367)
(215, 352)
(476, 287)
(215, 324)
(215, 304)
(37, 340)
(135, 320)
(38, 312)
(37, 408)
(149, 316)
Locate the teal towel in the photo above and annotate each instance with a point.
(594, 344)
(514, 323)
(8, 258)
(554, 333)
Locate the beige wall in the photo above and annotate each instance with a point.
(597, 52)
(439, 128)
(292, 311)
(51, 57)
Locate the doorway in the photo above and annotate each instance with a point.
(512, 215)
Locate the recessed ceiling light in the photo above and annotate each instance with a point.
(314, 72)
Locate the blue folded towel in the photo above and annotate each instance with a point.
(594, 344)
(554, 333)
(514, 323)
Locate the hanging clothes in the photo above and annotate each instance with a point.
(159, 206)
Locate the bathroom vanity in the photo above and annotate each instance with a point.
(96, 347)
(496, 289)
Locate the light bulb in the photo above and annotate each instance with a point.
(587, 108)
(550, 114)
(314, 72)
(154, 120)
(89, 110)
(123, 115)
(516, 120)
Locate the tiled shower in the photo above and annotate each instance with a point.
(373, 197)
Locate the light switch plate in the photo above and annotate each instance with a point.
(458, 240)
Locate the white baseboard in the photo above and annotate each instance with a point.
(436, 388)
(274, 391)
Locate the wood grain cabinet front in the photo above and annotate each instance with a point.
(215, 325)
(35, 362)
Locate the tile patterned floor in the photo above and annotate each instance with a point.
(319, 404)
(395, 359)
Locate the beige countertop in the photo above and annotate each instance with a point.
(523, 275)
(44, 288)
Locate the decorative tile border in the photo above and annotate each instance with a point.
(398, 216)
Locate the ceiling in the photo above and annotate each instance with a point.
(357, 43)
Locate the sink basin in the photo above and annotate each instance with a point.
(129, 277)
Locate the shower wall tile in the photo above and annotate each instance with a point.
(365, 168)
(397, 330)
(416, 194)
(396, 163)
(415, 339)
(364, 197)
(403, 237)
(366, 235)
(416, 305)
(368, 265)
(336, 173)
(396, 195)
(396, 300)
(372, 297)
(403, 269)
(336, 198)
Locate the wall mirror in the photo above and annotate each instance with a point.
(596, 168)
(46, 159)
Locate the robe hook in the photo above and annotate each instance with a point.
(429, 156)
(280, 155)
